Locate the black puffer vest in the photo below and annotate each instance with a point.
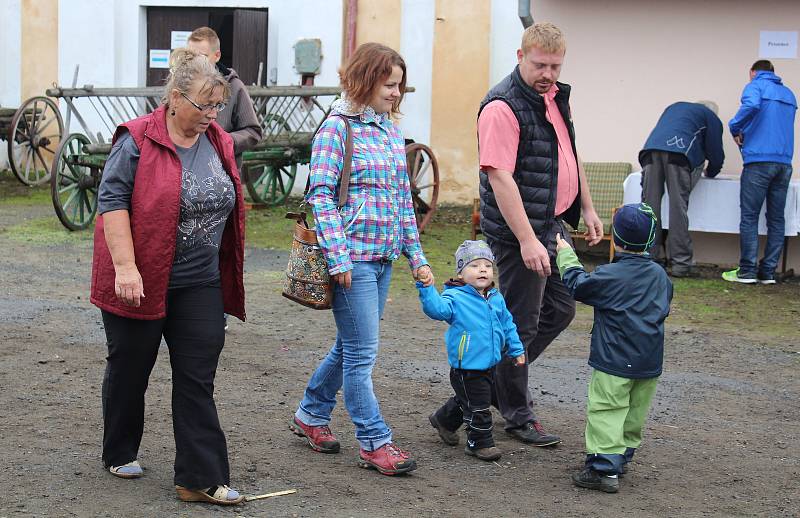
(536, 169)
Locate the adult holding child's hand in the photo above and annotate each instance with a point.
(360, 243)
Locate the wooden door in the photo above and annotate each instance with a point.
(161, 21)
(250, 44)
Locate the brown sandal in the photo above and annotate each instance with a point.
(219, 495)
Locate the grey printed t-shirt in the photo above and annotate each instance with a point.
(207, 199)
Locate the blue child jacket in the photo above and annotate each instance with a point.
(631, 299)
(481, 328)
(691, 130)
(766, 120)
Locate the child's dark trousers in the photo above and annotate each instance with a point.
(470, 405)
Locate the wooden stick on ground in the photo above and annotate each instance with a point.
(269, 495)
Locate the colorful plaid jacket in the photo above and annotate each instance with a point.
(377, 222)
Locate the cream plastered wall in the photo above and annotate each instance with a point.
(628, 59)
(461, 52)
(39, 46)
(379, 21)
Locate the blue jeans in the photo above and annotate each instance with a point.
(762, 181)
(349, 363)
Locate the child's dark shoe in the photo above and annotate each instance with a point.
(488, 454)
(446, 435)
(592, 479)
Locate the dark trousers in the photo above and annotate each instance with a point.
(193, 331)
(542, 308)
(471, 405)
(671, 169)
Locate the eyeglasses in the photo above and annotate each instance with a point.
(205, 107)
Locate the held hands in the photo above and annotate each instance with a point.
(561, 244)
(424, 274)
(519, 361)
(594, 227)
(128, 285)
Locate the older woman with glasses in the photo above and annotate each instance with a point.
(168, 257)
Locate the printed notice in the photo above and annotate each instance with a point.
(159, 58)
(178, 39)
(778, 44)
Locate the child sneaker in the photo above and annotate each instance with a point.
(448, 437)
(320, 438)
(388, 460)
(734, 276)
(592, 479)
(488, 454)
(763, 279)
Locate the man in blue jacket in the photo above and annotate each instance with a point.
(763, 128)
(685, 137)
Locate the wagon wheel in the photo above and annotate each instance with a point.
(423, 174)
(73, 187)
(270, 184)
(35, 131)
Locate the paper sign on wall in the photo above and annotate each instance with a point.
(159, 58)
(178, 39)
(778, 44)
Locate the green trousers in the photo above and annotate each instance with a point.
(616, 412)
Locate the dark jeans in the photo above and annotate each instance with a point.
(542, 308)
(193, 331)
(762, 181)
(471, 405)
(663, 167)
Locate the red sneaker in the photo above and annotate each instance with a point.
(388, 460)
(320, 438)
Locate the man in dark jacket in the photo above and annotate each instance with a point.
(531, 183)
(685, 137)
(764, 130)
(238, 118)
(631, 299)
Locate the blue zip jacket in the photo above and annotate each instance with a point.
(691, 130)
(766, 120)
(481, 328)
(631, 299)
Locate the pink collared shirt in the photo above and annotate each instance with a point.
(498, 140)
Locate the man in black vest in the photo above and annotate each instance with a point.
(531, 182)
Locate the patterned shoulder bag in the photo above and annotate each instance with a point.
(307, 279)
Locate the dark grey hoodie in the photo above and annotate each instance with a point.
(239, 118)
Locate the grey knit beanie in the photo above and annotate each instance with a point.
(469, 250)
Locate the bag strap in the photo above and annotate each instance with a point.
(347, 166)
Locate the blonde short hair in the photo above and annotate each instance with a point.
(205, 34)
(711, 105)
(186, 67)
(544, 36)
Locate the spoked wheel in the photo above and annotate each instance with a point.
(35, 131)
(269, 184)
(73, 187)
(423, 174)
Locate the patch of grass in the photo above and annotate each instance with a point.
(13, 192)
(47, 231)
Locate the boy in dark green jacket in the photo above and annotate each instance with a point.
(631, 299)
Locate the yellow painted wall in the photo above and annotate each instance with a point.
(39, 53)
(460, 80)
(379, 21)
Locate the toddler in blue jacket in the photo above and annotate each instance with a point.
(631, 299)
(481, 331)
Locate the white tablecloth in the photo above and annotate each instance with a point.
(714, 205)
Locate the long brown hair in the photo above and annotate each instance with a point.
(370, 64)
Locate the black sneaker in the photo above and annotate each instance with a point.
(533, 433)
(446, 435)
(682, 272)
(591, 479)
(764, 279)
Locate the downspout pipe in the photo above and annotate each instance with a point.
(524, 12)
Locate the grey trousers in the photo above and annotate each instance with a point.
(680, 180)
(542, 308)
